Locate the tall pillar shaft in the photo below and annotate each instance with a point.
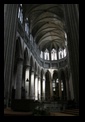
(43, 90)
(47, 89)
(36, 88)
(39, 88)
(65, 94)
(57, 53)
(60, 92)
(19, 79)
(27, 72)
(72, 21)
(10, 24)
(68, 90)
(32, 85)
(50, 55)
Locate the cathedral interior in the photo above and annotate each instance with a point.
(41, 59)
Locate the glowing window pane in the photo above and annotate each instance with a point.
(41, 54)
(60, 54)
(57, 81)
(46, 55)
(19, 13)
(53, 89)
(43, 86)
(31, 38)
(21, 16)
(53, 54)
(65, 36)
(26, 28)
(39, 87)
(21, 5)
(27, 74)
(36, 88)
(61, 86)
(64, 52)
(53, 84)
(27, 19)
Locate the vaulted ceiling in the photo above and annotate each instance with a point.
(46, 24)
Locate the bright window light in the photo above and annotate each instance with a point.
(39, 89)
(60, 54)
(27, 74)
(64, 52)
(57, 81)
(43, 86)
(41, 54)
(53, 89)
(61, 86)
(46, 54)
(53, 84)
(36, 88)
(32, 79)
(53, 54)
(21, 5)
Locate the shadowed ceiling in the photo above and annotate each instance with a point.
(46, 24)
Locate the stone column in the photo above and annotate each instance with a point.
(71, 87)
(57, 56)
(47, 88)
(57, 53)
(36, 87)
(43, 89)
(60, 92)
(39, 87)
(50, 88)
(32, 85)
(57, 88)
(23, 84)
(71, 13)
(67, 89)
(64, 84)
(50, 54)
(19, 79)
(50, 57)
(43, 55)
(10, 24)
(27, 72)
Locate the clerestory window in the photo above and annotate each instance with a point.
(41, 54)
(46, 55)
(20, 14)
(53, 54)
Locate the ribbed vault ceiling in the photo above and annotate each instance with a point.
(46, 24)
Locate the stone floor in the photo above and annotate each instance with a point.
(9, 112)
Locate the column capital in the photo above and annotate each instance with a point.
(32, 70)
(36, 75)
(39, 77)
(27, 66)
